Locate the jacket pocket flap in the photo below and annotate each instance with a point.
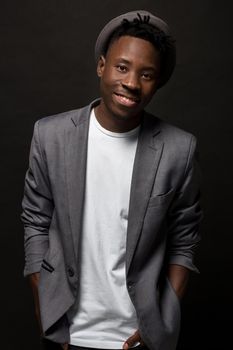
(161, 199)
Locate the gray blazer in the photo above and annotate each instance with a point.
(164, 216)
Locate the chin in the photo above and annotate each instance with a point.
(125, 113)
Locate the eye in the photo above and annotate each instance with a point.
(147, 76)
(121, 68)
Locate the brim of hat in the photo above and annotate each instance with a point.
(170, 57)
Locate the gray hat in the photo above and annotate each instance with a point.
(110, 27)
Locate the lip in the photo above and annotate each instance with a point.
(128, 101)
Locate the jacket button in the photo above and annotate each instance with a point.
(70, 271)
(130, 285)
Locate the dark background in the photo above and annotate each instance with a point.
(47, 66)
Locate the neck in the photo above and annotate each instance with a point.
(116, 123)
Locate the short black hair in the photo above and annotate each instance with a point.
(141, 28)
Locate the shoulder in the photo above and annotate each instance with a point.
(173, 137)
(60, 120)
(51, 130)
(54, 126)
(179, 149)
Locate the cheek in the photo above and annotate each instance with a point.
(149, 91)
(106, 89)
(110, 76)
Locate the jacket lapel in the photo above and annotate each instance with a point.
(75, 157)
(146, 162)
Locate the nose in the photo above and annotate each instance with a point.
(131, 81)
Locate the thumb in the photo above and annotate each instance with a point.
(131, 340)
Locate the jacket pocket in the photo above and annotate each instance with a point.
(161, 199)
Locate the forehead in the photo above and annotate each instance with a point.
(133, 49)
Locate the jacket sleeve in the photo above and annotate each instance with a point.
(37, 207)
(185, 215)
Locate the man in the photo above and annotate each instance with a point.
(111, 205)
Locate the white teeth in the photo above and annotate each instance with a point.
(127, 101)
(126, 98)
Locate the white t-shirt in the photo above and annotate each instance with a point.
(103, 315)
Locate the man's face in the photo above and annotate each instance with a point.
(129, 77)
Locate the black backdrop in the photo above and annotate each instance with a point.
(47, 66)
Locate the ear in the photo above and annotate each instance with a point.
(100, 66)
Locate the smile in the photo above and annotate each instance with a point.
(126, 100)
